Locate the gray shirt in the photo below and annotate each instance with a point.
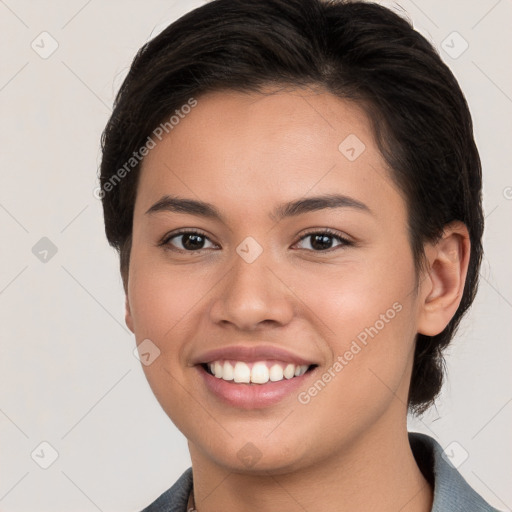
(451, 492)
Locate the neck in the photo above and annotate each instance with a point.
(377, 472)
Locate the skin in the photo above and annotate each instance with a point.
(347, 449)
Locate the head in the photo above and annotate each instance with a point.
(249, 105)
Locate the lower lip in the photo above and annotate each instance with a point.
(252, 396)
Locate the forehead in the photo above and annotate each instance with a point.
(253, 148)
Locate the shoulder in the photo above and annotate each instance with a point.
(174, 499)
(451, 492)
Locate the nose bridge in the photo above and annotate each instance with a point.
(252, 294)
(251, 268)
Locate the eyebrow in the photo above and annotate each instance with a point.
(291, 209)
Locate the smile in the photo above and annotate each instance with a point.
(260, 372)
(253, 376)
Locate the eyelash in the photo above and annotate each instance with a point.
(325, 231)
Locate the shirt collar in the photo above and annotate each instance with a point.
(451, 492)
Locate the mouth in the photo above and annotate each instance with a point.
(254, 385)
(258, 372)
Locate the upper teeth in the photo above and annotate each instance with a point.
(259, 373)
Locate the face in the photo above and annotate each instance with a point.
(326, 284)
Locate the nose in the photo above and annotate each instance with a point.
(252, 296)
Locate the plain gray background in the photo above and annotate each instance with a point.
(68, 374)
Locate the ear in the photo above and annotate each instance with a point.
(128, 315)
(443, 283)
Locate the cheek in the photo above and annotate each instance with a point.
(369, 371)
(163, 303)
(162, 298)
(349, 297)
(366, 313)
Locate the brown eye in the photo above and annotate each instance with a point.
(187, 241)
(321, 241)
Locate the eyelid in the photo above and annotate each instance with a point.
(183, 231)
(344, 241)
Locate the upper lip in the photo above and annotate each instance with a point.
(250, 354)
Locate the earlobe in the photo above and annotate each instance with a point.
(443, 286)
(128, 315)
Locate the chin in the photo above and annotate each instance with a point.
(260, 457)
